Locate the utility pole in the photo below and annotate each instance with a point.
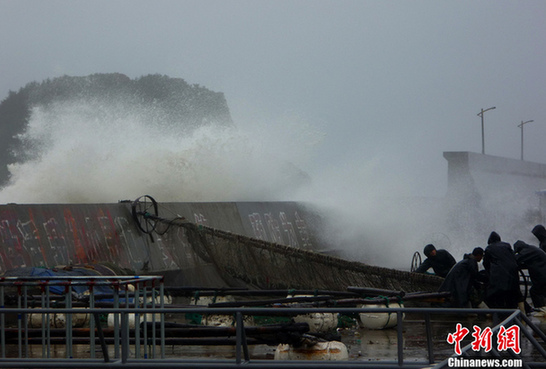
(480, 114)
(521, 125)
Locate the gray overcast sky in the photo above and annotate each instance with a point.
(393, 83)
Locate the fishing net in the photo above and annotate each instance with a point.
(266, 265)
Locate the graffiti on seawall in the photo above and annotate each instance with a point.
(280, 230)
(64, 234)
(45, 238)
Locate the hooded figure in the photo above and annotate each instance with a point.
(440, 261)
(499, 261)
(533, 259)
(463, 280)
(540, 233)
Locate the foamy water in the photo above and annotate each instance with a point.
(89, 151)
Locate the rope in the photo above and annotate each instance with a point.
(196, 296)
(169, 224)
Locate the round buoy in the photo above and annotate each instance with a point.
(318, 322)
(206, 300)
(328, 351)
(131, 318)
(219, 320)
(377, 320)
(57, 320)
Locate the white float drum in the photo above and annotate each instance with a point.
(219, 320)
(57, 320)
(149, 316)
(207, 300)
(318, 322)
(328, 351)
(380, 320)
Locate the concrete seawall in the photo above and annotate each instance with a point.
(486, 177)
(487, 193)
(60, 234)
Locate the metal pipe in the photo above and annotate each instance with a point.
(68, 304)
(25, 321)
(19, 325)
(48, 306)
(116, 321)
(375, 291)
(430, 347)
(92, 320)
(162, 322)
(153, 321)
(137, 319)
(238, 337)
(44, 327)
(2, 323)
(101, 339)
(400, 337)
(124, 337)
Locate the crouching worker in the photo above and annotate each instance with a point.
(534, 260)
(463, 281)
(440, 261)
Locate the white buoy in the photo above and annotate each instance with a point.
(377, 320)
(219, 320)
(318, 322)
(149, 317)
(328, 351)
(132, 319)
(207, 300)
(57, 320)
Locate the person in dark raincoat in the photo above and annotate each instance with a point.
(441, 261)
(540, 233)
(463, 280)
(499, 261)
(534, 260)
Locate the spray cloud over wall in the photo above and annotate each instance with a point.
(83, 150)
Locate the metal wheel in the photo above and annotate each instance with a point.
(145, 213)
(415, 261)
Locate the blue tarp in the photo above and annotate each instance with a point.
(59, 273)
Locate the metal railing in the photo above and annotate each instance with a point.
(138, 337)
(52, 304)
